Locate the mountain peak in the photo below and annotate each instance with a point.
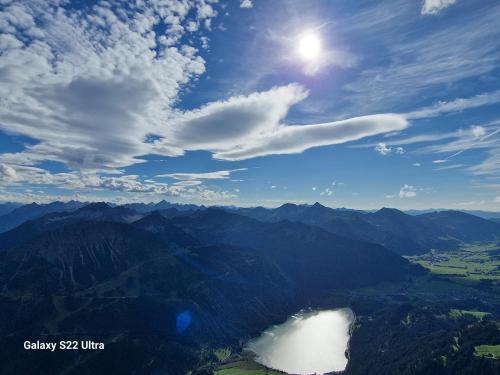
(318, 205)
(388, 210)
(287, 206)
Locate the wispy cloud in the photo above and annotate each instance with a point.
(422, 61)
(456, 105)
(452, 166)
(216, 175)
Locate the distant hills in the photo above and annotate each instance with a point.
(402, 233)
(484, 214)
(293, 247)
(34, 210)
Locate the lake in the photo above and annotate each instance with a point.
(312, 342)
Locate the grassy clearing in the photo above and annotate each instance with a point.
(455, 314)
(243, 364)
(488, 351)
(245, 367)
(222, 354)
(470, 263)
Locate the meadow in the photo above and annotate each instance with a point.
(472, 262)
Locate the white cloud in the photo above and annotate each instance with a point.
(327, 192)
(435, 6)
(407, 191)
(476, 137)
(383, 149)
(97, 89)
(478, 131)
(416, 164)
(422, 62)
(261, 130)
(246, 4)
(471, 203)
(314, 188)
(290, 139)
(188, 183)
(128, 184)
(92, 84)
(216, 175)
(451, 166)
(7, 173)
(456, 105)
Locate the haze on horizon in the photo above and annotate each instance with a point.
(360, 105)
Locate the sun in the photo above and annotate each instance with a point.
(309, 46)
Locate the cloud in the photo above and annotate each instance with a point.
(126, 184)
(290, 139)
(97, 88)
(226, 124)
(327, 192)
(424, 60)
(476, 137)
(407, 191)
(490, 165)
(456, 105)
(452, 166)
(7, 173)
(91, 84)
(244, 127)
(416, 164)
(433, 7)
(383, 149)
(471, 203)
(217, 175)
(187, 183)
(246, 4)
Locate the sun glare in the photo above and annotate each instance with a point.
(309, 46)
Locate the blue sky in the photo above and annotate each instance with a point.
(213, 102)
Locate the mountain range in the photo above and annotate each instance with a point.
(402, 233)
(177, 280)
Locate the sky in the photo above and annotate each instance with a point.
(363, 104)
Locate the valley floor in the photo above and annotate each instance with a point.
(445, 322)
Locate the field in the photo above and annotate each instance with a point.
(470, 263)
(245, 367)
(455, 314)
(490, 351)
(243, 364)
